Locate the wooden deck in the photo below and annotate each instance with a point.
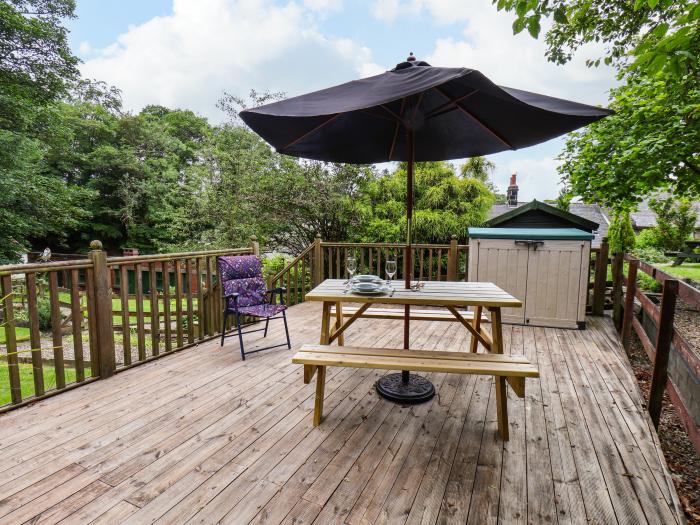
(201, 436)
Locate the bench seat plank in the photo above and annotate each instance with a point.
(395, 352)
(416, 314)
(406, 361)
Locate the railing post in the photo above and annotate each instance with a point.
(255, 245)
(628, 312)
(663, 349)
(617, 267)
(318, 260)
(102, 295)
(601, 278)
(452, 260)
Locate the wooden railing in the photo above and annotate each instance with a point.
(665, 344)
(327, 260)
(104, 314)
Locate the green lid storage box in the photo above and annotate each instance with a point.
(546, 268)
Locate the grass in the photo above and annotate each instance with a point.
(21, 333)
(684, 271)
(26, 378)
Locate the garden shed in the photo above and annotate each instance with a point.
(546, 268)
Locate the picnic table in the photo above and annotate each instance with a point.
(451, 298)
(688, 252)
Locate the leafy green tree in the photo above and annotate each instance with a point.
(482, 169)
(675, 221)
(651, 143)
(620, 233)
(35, 59)
(444, 205)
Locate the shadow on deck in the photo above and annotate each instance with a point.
(201, 436)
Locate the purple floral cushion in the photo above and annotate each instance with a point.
(262, 310)
(242, 274)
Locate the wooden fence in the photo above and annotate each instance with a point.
(327, 260)
(110, 329)
(660, 338)
(112, 313)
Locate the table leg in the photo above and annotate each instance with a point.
(339, 322)
(325, 322)
(476, 322)
(496, 331)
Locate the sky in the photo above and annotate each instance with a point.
(186, 53)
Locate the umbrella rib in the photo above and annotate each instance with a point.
(325, 122)
(396, 130)
(433, 112)
(478, 121)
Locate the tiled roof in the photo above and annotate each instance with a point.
(644, 217)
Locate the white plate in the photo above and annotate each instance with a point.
(367, 279)
(368, 288)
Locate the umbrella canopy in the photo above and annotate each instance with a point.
(415, 112)
(453, 113)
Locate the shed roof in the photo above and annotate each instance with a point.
(559, 234)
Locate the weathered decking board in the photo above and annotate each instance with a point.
(201, 437)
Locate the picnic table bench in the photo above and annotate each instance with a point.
(687, 253)
(452, 297)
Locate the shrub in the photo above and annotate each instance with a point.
(273, 264)
(44, 311)
(648, 283)
(650, 254)
(647, 239)
(621, 234)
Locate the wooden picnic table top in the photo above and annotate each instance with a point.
(434, 293)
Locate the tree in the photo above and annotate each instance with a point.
(482, 169)
(651, 143)
(620, 233)
(35, 59)
(444, 204)
(675, 221)
(658, 34)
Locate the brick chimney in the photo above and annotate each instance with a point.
(512, 194)
(130, 252)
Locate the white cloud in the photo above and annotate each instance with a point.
(189, 58)
(324, 5)
(537, 178)
(85, 48)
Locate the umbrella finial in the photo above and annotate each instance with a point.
(411, 58)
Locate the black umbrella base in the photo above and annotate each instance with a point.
(417, 390)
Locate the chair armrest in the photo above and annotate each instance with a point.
(233, 296)
(280, 290)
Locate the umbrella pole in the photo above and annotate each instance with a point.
(404, 387)
(408, 256)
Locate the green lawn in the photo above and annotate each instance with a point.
(685, 270)
(27, 380)
(21, 333)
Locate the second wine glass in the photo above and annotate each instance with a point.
(390, 268)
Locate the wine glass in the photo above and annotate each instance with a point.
(351, 268)
(390, 271)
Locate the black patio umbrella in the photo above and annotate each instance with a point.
(415, 113)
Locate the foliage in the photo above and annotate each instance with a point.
(651, 142)
(482, 169)
(647, 283)
(35, 59)
(658, 33)
(44, 313)
(620, 233)
(649, 254)
(675, 221)
(647, 239)
(273, 264)
(444, 205)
